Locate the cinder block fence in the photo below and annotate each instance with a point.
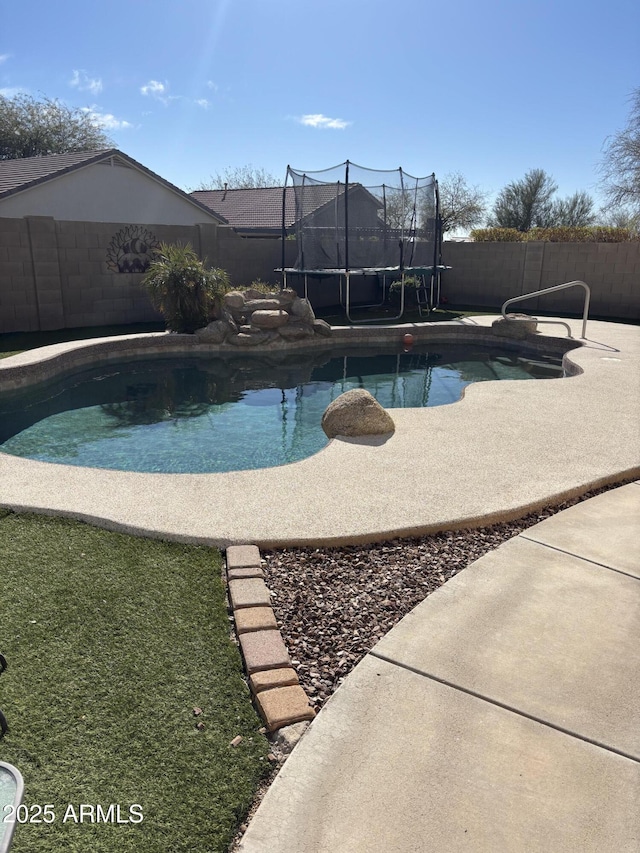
(487, 274)
(56, 274)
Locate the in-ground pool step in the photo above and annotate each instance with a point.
(273, 681)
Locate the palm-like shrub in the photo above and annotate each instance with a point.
(185, 292)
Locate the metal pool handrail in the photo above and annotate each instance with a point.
(585, 312)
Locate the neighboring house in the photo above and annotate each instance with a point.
(77, 231)
(95, 186)
(257, 212)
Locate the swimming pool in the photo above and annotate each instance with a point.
(233, 412)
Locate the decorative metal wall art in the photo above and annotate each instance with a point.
(131, 250)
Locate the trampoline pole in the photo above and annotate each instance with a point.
(284, 234)
(346, 217)
(437, 255)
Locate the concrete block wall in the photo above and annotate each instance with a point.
(244, 258)
(483, 274)
(54, 274)
(92, 294)
(18, 301)
(487, 274)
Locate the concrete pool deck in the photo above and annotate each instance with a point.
(501, 715)
(505, 448)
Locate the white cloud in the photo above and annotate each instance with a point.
(318, 120)
(159, 91)
(11, 92)
(84, 83)
(4, 57)
(154, 89)
(204, 103)
(106, 120)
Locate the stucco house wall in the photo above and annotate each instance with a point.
(110, 191)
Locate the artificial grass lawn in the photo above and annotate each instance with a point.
(111, 642)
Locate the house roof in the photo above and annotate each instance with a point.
(260, 208)
(257, 208)
(19, 175)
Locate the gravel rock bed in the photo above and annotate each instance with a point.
(334, 604)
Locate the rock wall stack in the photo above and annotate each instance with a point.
(250, 317)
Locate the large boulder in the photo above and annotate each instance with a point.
(262, 304)
(294, 331)
(269, 319)
(356, 412)
(301, 309)
(234, 300)
(227, 316)
(214, 333)
(287, 296)
(515, 326)
(321, 327)
(254, 293)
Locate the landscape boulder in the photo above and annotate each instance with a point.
(321, 327)
(354, 413)
(516, 326)
(262, 304)
(234, 300)
(295, 331)
(214, 333)
(269, 319)
(302, 310)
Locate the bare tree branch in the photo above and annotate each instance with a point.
(240, 178)
(620, 166)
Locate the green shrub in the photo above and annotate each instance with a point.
(261, 286)
(591, 234)
(497, 235)
(411, 285)
(567, 234)
(186, 293)
(411, 282)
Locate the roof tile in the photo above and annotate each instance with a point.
(260, 208)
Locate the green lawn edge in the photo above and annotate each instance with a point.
(112, 641)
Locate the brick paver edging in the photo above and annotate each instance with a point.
(273, 681)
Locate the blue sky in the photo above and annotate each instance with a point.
(190, 88)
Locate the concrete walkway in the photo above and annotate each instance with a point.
(501, 715)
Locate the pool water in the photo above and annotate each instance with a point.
(201, 415)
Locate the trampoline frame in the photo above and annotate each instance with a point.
(430, 294)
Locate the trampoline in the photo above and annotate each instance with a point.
(350, 221)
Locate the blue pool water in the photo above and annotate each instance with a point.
(199, 415)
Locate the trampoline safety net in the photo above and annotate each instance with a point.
(351, 218)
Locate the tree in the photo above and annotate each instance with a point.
(620, 217)
(32, 128)
(529, 203)
(240, 178)
(461, 206)
(576, 211)
(525, 204)
(620, 166)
